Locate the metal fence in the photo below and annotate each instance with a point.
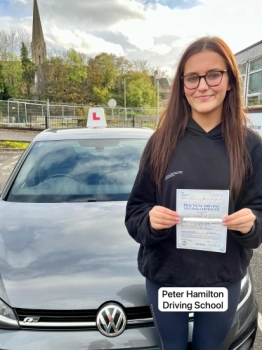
(40, 115)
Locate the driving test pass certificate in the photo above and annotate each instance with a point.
(201, 213)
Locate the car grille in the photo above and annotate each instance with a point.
(74, 319)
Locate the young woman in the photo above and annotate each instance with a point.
(201, 142)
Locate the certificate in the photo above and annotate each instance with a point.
(201, 213)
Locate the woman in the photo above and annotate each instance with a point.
(201, 142)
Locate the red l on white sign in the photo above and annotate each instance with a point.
(95, 117)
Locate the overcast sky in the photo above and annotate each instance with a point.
(152, 30)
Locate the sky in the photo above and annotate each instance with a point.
(153, 30)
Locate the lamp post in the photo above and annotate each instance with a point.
(157, 77)
(125, 97)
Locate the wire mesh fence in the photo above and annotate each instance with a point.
(40, 115)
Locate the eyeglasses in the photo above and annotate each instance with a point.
(212, 79)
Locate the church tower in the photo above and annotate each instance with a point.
(38, 54)
(38, 43)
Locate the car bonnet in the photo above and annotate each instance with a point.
(67, 256)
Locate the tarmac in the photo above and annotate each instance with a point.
(17, 135)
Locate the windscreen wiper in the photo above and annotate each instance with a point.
(91, 199)
(88, 199)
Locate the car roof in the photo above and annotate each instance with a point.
(103, 133)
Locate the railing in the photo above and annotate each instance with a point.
(40, 115)
(254, 100)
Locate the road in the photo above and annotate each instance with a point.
(17, 135)
(7, 163)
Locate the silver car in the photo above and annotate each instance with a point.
(69, 277)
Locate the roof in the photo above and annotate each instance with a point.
(250, 53)
(82, 133)
(164, 84)
(249, 47)
(37, 32)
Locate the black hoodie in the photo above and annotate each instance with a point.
(199, 162)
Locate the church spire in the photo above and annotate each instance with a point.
(38, 43)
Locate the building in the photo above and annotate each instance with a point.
(162, 85)
(250, 66)
(38, 48)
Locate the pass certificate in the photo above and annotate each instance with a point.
(201, 213)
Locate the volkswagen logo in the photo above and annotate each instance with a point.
(111, 320)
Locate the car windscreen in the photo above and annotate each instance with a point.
(78, 170)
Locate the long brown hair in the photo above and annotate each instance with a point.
(175, 117)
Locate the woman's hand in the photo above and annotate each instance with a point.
(241, 220)
(162, 218)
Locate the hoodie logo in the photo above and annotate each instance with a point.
(173, 174)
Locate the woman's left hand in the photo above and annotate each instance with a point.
(241, 220)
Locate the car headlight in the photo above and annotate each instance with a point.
(245, 291)
(7, 316)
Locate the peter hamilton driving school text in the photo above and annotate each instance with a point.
(192, 299)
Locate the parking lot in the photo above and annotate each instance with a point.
(7, 163)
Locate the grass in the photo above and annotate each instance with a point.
(14, 144)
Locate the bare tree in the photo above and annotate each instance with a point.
(141, 66)
(24, 37)
(11, 42)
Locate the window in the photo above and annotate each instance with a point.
(254, 89)
(254, 100)
(78, 170)
(255, 65)
(242, 69)
(255, 83)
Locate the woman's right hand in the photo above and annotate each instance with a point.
(162, 218)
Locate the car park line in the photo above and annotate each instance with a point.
(259, 321)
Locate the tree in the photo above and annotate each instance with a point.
(140, 66)
(140, 91)
(4, 93)
(65, 78)
(69, 77)
(10, 60)
(75, 67)
(102, 72)
(12, 73)
(11, 41)
(28, 70)
(123, 65)
(54, 75)
(76, 75)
